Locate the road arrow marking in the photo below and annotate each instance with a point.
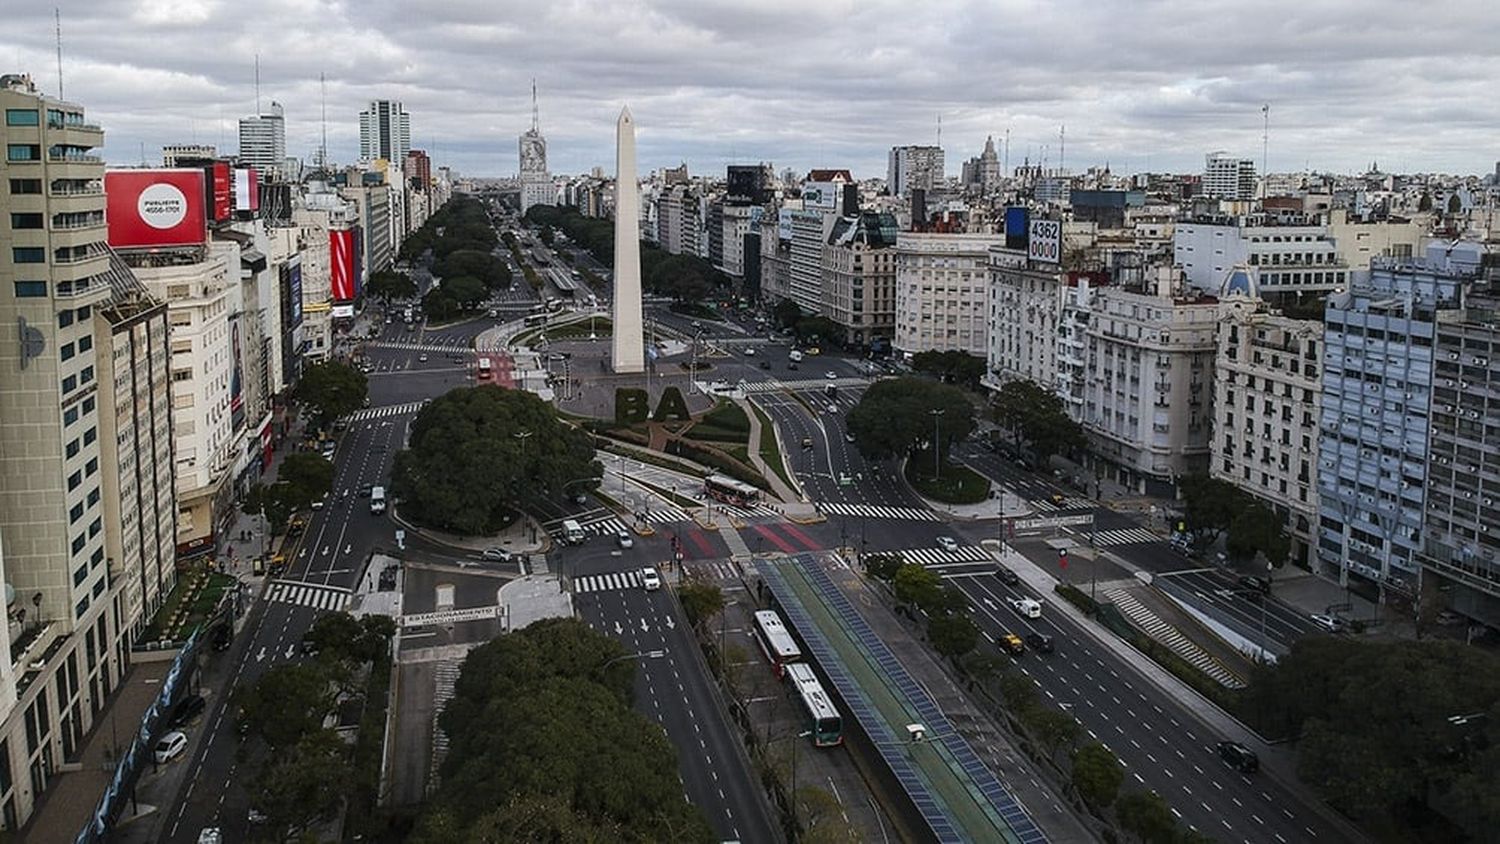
(990, 604)
(348, 548)
(326, 549)
(671, 625)
(619, 630)
(644, 627)
(260, 656)
(289, 651)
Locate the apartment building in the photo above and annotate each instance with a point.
(315, 213)
(941, 284)
(1267, 404)
(915, 167)
(65, 643)
(1376, 416)
(1460, 551)
(1024, 309)
(775, 258)
(860, 289)
(679, 223)
(807, 232)
(1227, 177)
(1073, 340)
(1147, 399)
(1293, 254)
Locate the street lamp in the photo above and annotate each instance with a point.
(937, 468)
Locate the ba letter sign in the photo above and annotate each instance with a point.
(1045, 241)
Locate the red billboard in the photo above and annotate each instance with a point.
(341, 264)
(146, 208)
(246, 189)
(223, 191)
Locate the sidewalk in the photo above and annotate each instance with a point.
(522, 536)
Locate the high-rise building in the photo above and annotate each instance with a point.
(64, 632)
(536, 182)
(418, 170)
(748, 184)
(1025, 305)
(941, 285)
(911, 167)
(859, 291)
(982, 173)
(1461, 527)
(384, 131)
(1227, 177)
(263, 142)
(1376, 416)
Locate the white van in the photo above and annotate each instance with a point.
(1027, 607)
(794, 356)
(377, 500)
(572, 532)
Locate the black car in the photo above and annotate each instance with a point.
(1254, 583)
(1040, 642)
(223, 635)
(1008, 577)
(1239, 757)
(765, 364)
(187, 709)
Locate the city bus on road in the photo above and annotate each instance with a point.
(731, 491)
(486, 369)
(775, 641)
(822, 717)
(536, 319)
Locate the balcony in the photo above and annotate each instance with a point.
(73, 158)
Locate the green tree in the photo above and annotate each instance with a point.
(954, 367)
(1053, 728)
(439, 304)
(786, 313)
(304, 477)
(685, 278)
(303, 785)
(1455, 204)
(895, 416)
(1035, 416)
(1146, 815)
(952, 635)
(701, 601)
(1097, 775)
(478, 454)
(1425, 203)
(546, 236)
(263, 500)
(339, 635)
(817, 328)
(466, 290)
(332, 389)
(1209, 506)
(483, 265)
(287, 703)
(917, 585)
(883, 566)
(1019, 693)
(389, 284)
(1257, 528)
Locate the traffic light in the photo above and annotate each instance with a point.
(1062, 558)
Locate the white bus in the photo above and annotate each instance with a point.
(731, 491)
(377, 500)
(822, 716)
(775, 641)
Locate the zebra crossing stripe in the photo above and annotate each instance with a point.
(1125, 536)
(1173, 638)
(328, 598)
(875, 511)
(388, 410)
(939, 557)
(606, 582)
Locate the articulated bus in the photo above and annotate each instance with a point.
(823, 719)
(731, 491)
(775, 642)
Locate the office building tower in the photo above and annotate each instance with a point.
(263, 142)
(384, 131)
(65, 627)
(418, 171)
(536, 182)
(911, 167)
(1376, 416)
(982, 173)
(1227, 177)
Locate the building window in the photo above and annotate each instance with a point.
(85, 343)
(83, 313)
(83, 607)
(22, 117)
(25, 221)
(23, 152)
(70, 384)
(22, 187)
(72, 449)
(31, 289)
(66, 352)
(70, 416)
(74, 480)
(78, 542)
(64, 319)
(28, 254)
(90, 435)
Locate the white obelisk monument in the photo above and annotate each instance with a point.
(628, 353)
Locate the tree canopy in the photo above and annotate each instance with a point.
(954, 367)
(786, 313)
(894, 417)
(300, 480)
(332, 389)
(1035, 416)
(1214, 507)
(478, 454)
(1392, 732)
(389, 284)
(540, 721)
(489, 270)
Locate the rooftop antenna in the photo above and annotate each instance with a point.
(1007, 152)
(1062, 149)
(323, 150)
(535, 114)
(940, 131)
(143, 153)
(57, 20)
(257, 84)
(1265, 146)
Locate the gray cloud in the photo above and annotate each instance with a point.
(801, 83)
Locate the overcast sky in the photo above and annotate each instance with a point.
(800, 83)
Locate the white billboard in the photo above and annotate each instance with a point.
(821, 196)
(1044, 242)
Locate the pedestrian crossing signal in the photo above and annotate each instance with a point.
(1062, 558)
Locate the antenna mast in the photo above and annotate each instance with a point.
(1062, 149)
(940, 131)
(1265, 146)
(323, 151)
(257, 84)
(535, 114)
(57, 20)
(1007, 152)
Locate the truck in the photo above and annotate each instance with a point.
(572, 532)
(377, 500)
(794, 356)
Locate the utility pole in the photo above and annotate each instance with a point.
(937, 466)
(57, 20)
(1265, 146)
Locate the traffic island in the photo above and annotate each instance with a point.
(952, 483)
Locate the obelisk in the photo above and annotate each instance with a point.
(628, 353)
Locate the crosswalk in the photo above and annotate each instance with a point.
(445, 677)
(610, 582)
(875, 511)
(317, 596)
(760, 511)
(1124, 536)
(937, 558)
(773, 385)
(1046, 506)
(457, 345)
(1168, 635)
(381, 412)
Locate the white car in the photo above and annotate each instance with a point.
(650, 579)
(750, 352)
(830, 374)
(495, 553)
(422, 358)
(624, 539)
(947, 543)
(1027, 607)
(170, 746)
(1330, 623)
(833, 408)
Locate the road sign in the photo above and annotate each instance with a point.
(1044, 522)
(449, 616)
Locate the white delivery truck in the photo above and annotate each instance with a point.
(377, 500)
(572, 532)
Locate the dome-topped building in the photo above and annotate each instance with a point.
(1242, 280)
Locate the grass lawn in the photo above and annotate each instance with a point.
(958, 484)
(768, 450)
